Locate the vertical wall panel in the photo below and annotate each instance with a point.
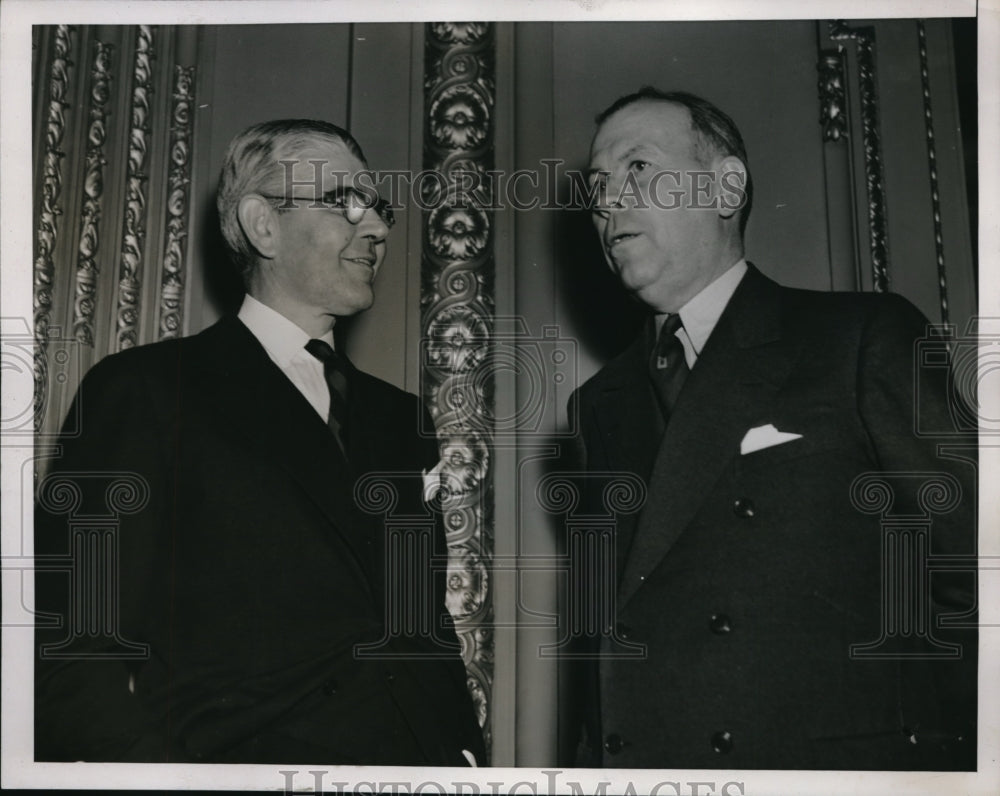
(381, 110)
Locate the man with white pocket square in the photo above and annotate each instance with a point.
(770, 609)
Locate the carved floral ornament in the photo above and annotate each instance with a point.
(459, 32)
(460, 118)
(468, 584)
(457, 309)
(458, 233)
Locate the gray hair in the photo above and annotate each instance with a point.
(252, 165)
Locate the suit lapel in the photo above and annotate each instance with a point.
(256, 400)
(626, 412)
(629, 425)
(376, 432)
(738, 374)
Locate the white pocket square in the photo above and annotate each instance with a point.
(765, 437)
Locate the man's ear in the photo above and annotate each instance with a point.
(258, 220)
(732, 185)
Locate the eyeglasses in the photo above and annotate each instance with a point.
(348, 202)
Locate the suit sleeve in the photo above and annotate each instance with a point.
(89, 648)
(913, 417)
(914, 420)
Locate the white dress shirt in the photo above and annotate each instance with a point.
(701, 313)
(285, 343)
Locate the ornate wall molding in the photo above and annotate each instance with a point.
(50, 188)
(134, 232)
(179, 180)
(932, 170)
(113, 113)
(457, 322)
(87, 267)
(832, 95)
(864, 40)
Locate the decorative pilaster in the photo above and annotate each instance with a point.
(87, 267)
(864, 40)
(457, 320)
(48, 217)
(172, 276)
(134, 232)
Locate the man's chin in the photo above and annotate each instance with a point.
(633, 279)
(358, 304)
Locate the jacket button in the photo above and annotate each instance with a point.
(743, 507)
(330, 687)
(623, 631)
(720, 624)
(722, 742)
(613, 744)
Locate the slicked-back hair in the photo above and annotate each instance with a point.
(716, 133)
(252, 165)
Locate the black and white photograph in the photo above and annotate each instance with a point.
(561, 397)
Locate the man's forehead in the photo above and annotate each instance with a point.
(653, 123)
(330, 156)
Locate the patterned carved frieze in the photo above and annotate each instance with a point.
(50, 208)
(457, 320)
(134, 231)
(114, 113)
(179, 180)
(87, 266)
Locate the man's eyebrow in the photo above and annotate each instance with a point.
(634, 149)
(628, 153)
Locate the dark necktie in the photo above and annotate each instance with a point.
(335, 373)
(667, 365)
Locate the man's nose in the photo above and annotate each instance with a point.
(372, 226)
(607, 203)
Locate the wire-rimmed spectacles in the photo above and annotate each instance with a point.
(349, 202)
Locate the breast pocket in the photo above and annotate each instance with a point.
(821, 433)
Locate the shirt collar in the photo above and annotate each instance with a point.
(282, 339)
(702, 312)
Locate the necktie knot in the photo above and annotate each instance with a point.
(668, 345)
(667, 366)
(335, 375)
(322, 350)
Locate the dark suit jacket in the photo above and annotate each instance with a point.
(251, 574)
(748, 578)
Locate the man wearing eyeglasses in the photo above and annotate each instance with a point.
(255, 583)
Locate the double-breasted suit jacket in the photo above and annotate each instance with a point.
(755, 581)
(252, 575)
